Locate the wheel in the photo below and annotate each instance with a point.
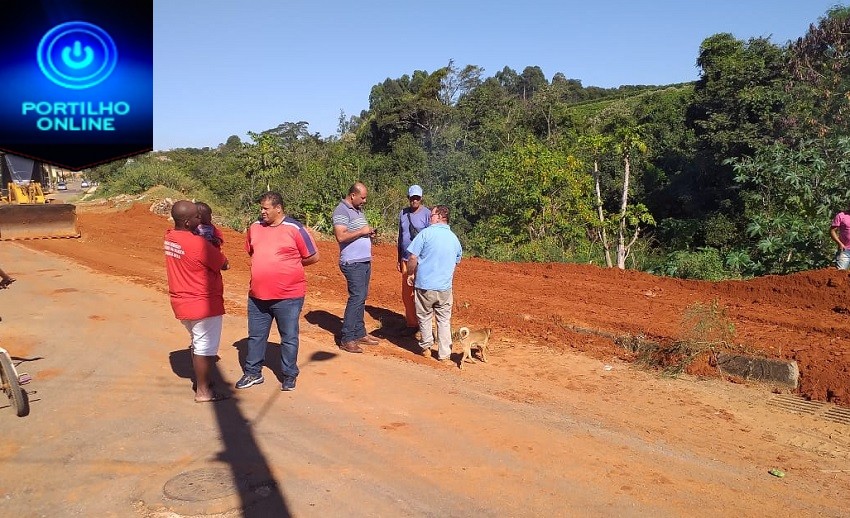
(11, 387)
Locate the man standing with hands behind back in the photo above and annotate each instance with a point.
(354, 236)
(434, 254)
(280, 247)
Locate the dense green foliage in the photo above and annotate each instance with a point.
(734, 175)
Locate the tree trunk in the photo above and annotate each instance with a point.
(622, 249)
(602, 232)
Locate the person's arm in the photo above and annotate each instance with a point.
(313, 259)
(412, 263)
(213, 258)
(341, 220)
(343, 235)
(400, 240)
(833, 233)
(306, 246)
(218, 236)
(248, 248)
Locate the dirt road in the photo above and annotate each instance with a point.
(555, 424)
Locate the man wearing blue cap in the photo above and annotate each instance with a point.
(411, 221)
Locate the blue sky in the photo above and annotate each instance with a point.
(226, 67)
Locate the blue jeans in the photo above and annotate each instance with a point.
(286, 313)
(357, 277)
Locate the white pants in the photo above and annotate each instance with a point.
(206, 334)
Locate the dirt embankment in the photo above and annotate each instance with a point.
(803, 317)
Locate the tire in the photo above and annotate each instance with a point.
(11, 387)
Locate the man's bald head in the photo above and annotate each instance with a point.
(185, 215)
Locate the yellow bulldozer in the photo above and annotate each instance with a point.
(25, 212)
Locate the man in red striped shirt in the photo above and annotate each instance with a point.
(280, 247)
(196, 289)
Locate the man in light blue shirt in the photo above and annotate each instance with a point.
(434, 253)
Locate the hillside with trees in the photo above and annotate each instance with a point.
(735, 175)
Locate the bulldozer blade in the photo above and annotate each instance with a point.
(38, 221)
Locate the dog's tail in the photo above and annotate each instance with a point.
(462, 333)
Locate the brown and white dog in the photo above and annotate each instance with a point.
(468, 339)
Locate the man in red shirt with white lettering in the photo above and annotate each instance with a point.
(280, 247)
(196, 289)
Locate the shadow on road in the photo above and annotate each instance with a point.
(259, 493)
(393, 326)
(327, 321)
(391, 330)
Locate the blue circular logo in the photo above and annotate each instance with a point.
(77, 55)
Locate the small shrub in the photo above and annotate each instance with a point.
(703, 264)
(707, 324)
(705, 329)
(720, 231)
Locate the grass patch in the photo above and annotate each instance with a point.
(705, 330)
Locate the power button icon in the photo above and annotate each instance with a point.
(77, 55)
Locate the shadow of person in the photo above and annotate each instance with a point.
(181, 365)
(393, 327)
(392, 323)
(321, 356)
(327, 321)
(259, 492)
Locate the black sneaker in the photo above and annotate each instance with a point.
(288, 383)
(249, 379)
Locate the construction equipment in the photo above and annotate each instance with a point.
(25, 212)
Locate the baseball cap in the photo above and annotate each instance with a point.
(414, 190)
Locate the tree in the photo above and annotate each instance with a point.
(408, 105)
(532, 80)
(233, 145)
(457, 83)
(538, 190)
(737, 108)
(490, 118)
(791, 194)
(548, 106)
(820, 77)
(510, 81)
(628, 143)
(264, 161)
(597, 145)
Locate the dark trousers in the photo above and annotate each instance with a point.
(357, 277)
(286, 312)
